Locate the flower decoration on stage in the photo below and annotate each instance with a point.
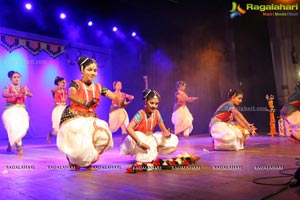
(182, 160)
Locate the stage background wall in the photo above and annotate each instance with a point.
(39, 71)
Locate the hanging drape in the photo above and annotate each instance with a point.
(10, 43)
(285, 46)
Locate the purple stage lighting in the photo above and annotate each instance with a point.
(62, 15)
(115, 28)
(28, 6)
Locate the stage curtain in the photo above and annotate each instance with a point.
(285, 46)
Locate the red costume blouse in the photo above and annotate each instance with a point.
(20, 98)
(60, 96)
(87, 93)
(145, 124)
(178, 101)
(120, 95)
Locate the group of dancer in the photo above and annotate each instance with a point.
(83, 137)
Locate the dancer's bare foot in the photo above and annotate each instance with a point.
(20, 153)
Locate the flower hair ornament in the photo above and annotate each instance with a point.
(153, 95)
(156, 95)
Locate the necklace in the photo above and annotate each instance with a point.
(85, 87)
(16, 88)
(151, 123)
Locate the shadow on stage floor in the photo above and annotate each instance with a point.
(43, 173)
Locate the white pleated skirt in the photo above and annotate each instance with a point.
(182, 120)
(16, 122)
(158, 144)
(84, 139)
(56, 115)
(118, 118)
(227, 136)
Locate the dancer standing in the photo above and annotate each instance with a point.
(82, 136)
(142, 142)
(118, 117)
(59, 94)
(15, 116)
(228, 127)
(181, 117)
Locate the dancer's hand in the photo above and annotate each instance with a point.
(91, 103)
(167, 134)
(144, 146)
(124, 103)
(191, 99)
(25, 92)
(20, 93)
(130, 97)
(252, 129)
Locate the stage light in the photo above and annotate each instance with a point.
(133, 34)
(90, 23)
(115, 28)
(28, 6)
(62, 15)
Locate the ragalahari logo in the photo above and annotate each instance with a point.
(236, 10)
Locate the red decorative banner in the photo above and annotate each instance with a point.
(54, 49)
(10, 43)
(34, 47)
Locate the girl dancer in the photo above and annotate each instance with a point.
(82, 136)
(228, 127)
(59, 94)
(118, 117)
(15, 116)
(142, 142)
(181, 117)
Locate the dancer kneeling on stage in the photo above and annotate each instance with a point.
(141, 141)
(291, 114)
(82, 136)
(228, 127)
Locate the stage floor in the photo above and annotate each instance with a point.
(219, 175)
